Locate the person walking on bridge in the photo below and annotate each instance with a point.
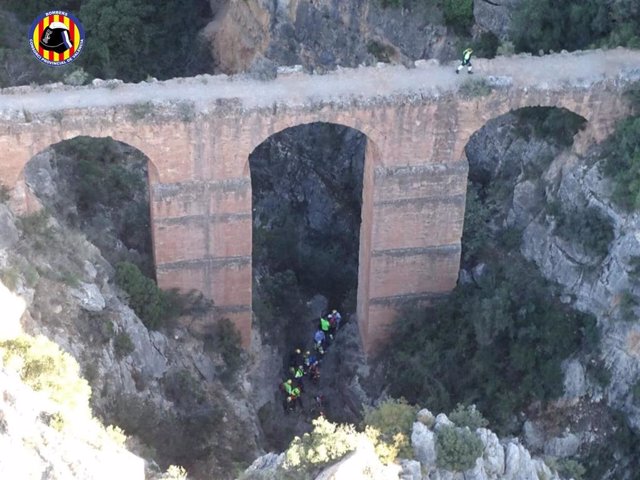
(466, 61)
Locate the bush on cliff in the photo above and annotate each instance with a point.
(457, 448)
(622, 163)
(498, 344)
(389, 427)
(155, 307)
(575, 24)
(43, 366)
(327, 442)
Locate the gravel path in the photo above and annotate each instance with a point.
(579, 69)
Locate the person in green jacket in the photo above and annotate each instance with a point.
(325, 325)
(466, 61)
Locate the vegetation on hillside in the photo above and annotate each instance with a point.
(128, 39)
(43, 366)
(575, 24)
(622, 163)
(499, 339)
(498, 344)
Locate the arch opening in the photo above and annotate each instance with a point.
(503, 328)
(311, 206)
(307, 194)
(102, 187)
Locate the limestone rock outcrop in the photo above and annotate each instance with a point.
(33, 449)
(500, 460)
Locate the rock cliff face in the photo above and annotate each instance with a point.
(495, 16)
(163, 389)
(595, 284)
(598, 280)
(324, 33)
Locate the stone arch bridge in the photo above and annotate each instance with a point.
(198, 134)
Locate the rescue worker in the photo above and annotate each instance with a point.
(319, 340)
(324, 325)
(314, 373)
(310, 360)
(287, 386)
(466, 61)
(297, 373)
(295, 397)
(337, 317)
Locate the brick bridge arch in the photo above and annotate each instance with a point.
(199, 132)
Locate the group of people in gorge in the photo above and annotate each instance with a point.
(305, 363)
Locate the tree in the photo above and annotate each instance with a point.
(457, 448)
(132, 39)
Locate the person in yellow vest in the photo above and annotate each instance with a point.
(466, 61)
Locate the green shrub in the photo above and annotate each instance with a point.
(599, 373)
(506, 49)
(382, 52)
(182, 388)
(475, 87)
(614, 455)
(226, 340)
(458, 13)
(476, 231)
(486, 46)
(151, 304)
(550, 25)
(590, 228)
(45, 368)
(567, 467)
(622, 163)
(326, 443)
(457, 449)
(509, 334)
(468, 416)
(575, 24)
(122, 345)
(390, 425)
(36, 224)
(5, 193)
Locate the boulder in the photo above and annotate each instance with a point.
(423, 442)
(518, 464)
(411, 470)
(495, 16)
(533, 437)
(89, 296)
(493, 454)
(575, 382)
(426, 417)
(565, 446)
(441, 421)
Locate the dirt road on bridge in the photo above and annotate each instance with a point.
(578, 69)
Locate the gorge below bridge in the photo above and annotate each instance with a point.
(198, 134)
